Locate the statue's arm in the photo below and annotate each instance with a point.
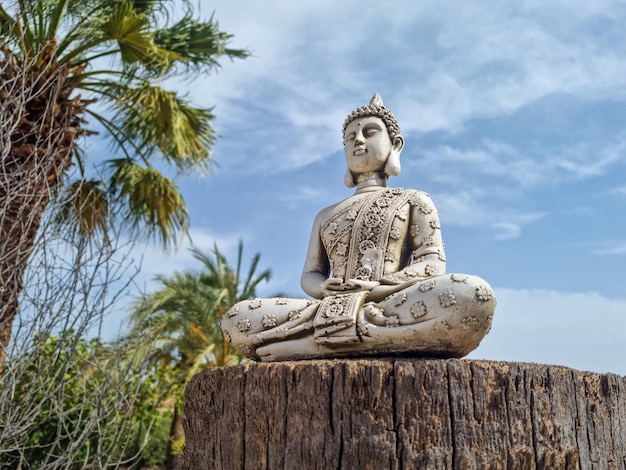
(316, 266)
(426, 244)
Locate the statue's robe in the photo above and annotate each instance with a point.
(392, 236)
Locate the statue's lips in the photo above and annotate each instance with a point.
(359, 152)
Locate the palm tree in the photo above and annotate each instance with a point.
(180, 321)
(116, 53)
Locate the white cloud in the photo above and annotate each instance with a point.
(438, 66)
(507, 230)
(620, 191)
(582, 161)
(482, 184)
(302, 196)
(492, 60)
(476, 208)
(498, 160)
(611, 249)
(154, 261)
(585, 331)
(525, 168)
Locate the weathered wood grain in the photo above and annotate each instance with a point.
(404, 413)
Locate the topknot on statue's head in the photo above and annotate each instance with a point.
(377, 109)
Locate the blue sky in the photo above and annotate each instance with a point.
(512, 113)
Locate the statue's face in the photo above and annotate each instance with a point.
(366, 145)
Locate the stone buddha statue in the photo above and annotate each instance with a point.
(376, 268)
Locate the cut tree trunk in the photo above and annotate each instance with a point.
(404, 413)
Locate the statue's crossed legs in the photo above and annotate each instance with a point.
(445, 316)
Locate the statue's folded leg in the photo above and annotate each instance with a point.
(252, 323)
(445, 315)
(303, 347)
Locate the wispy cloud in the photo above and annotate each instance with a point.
(459, 62)
(526, 168)
(583, 161)
(582, 330)
(302, 196)
(617, 248)
(497, 160)
(476, 209)
(619, 191)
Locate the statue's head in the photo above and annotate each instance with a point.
(373, 117)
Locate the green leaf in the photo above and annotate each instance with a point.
(138, 38)
(152, 201)
(132, 32)
(84, 208)
(160, 120)
(196, 45)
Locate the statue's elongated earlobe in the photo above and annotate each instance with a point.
(392, 167)
(348, 179)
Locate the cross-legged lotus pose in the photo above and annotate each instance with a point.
(376, 266)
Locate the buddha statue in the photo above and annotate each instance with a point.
(376, 268)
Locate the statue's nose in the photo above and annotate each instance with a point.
(359, 139)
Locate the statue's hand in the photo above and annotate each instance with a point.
(334, 283)
(381, 292)
(386, 289)
(333, 286)
(360, 285)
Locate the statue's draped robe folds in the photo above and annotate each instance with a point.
(392, 236)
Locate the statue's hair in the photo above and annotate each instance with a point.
(377, 109)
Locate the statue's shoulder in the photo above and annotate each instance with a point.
(330, 213)
(412, 194)
(325, 214)
(419, 200)
(342, 205)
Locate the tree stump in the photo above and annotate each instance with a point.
(404, 413)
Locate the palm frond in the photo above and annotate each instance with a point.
(161, 120)
(132, 32)
(152, 201)
(7, 24)
(84, 208)
(200, 358)
(251, 282)
(145, 121)
(150, 6)
(120, 139)
(195, 45)
(55, 18)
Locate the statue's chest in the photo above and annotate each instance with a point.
(364, 239)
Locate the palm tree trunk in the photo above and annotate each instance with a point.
(40, 125)
(177, 434)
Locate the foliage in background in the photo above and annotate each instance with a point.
(116, 53)
(63, 389)
(69, 68)
(67, 401)
(89, 406)
(181, 319)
